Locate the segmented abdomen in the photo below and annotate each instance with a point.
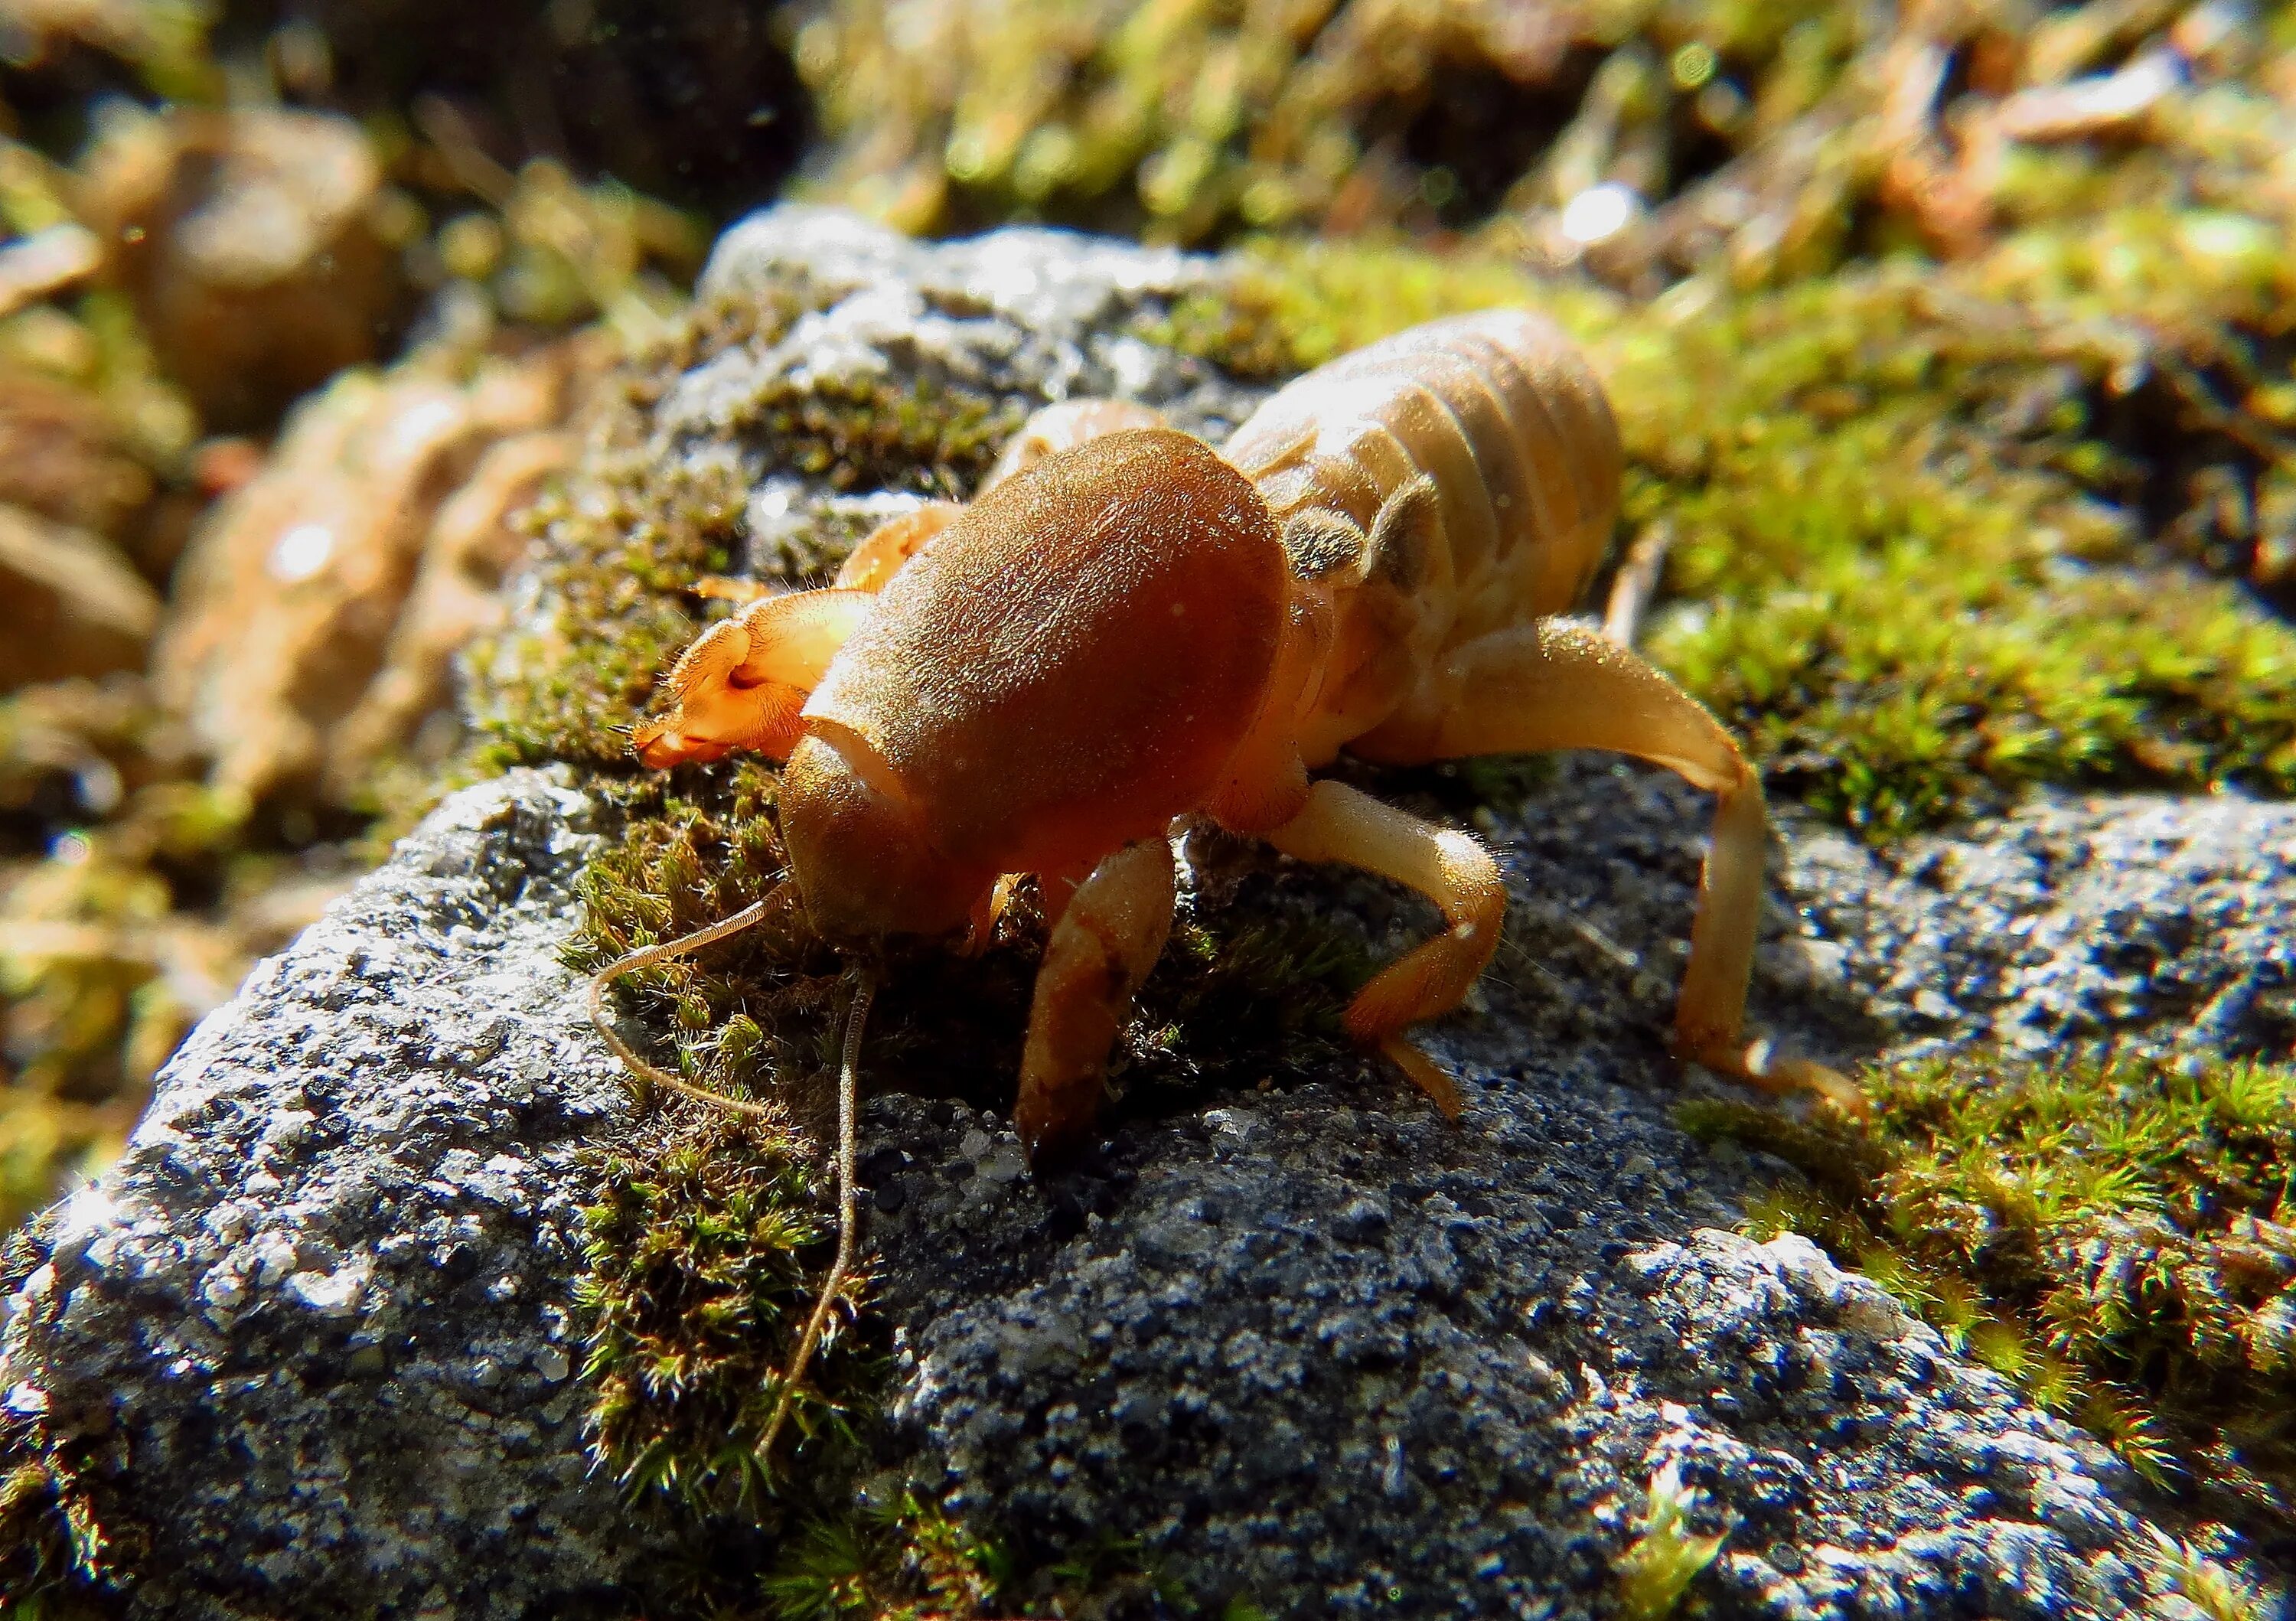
(1501, 411)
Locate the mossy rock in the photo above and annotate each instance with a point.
(1904, 562)
(1289, 1342)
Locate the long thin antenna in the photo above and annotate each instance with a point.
(848, 1222)
(647, 956)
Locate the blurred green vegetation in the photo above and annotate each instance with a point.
(133, 894)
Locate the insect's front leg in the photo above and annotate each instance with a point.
(1107, 939)
(1063, 426)
(891, 544)
(1051, 427)
(742, 683)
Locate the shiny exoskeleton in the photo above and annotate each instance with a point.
(1125, 628)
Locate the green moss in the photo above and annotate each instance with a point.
(2219, 1594)
(1292, 306)
(701, 1268)
(1907, 562)
(1656, 1569)
(706, 1247)
(932, 438)
(2116, 1235)
(902, 1560)
(709, 1240)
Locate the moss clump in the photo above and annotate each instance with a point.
(1904, 509)
(709, 1237)
(1903, 582)
(932, 439)
(702, 1265)
(901, 1560)
(2211, 1588)
(1292, 306)
(2115, 1234)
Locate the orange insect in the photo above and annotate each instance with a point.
(1125, 628)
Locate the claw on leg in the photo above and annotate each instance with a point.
(1759, 1063)
(980, 926)
(1426, 1073)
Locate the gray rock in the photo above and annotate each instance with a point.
(324, 1301)
(2168, 925)
(1310, 1346)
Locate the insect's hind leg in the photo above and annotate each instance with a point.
(1339, 823)
(1559, 685)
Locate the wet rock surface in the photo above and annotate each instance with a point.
(1310, 1346)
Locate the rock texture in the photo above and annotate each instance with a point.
(321, 1307)
(1310, 1346)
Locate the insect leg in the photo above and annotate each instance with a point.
(1103, 947)
(1339, 824)
(1561, 685)
(1063, 426)
(742, 683)
(1636, 581)
(893, 543)
(730, 588)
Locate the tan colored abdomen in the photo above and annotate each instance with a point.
(1502, 411)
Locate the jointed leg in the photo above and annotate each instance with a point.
(1558, 685)
(1106, 941)
(1063, 426)
(877, 559)
(1340, 824)
(742, 683)
(1636, 581)
(866, 568)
